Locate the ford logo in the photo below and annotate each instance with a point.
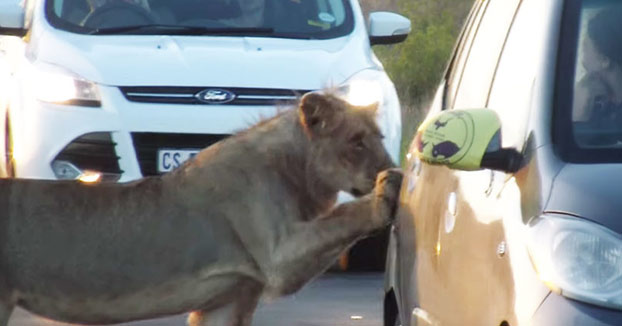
(215, 96)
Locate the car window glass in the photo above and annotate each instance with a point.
(58, 6)
(597, 102)
(337, 9)
(482, 60)
(462, 50)
(512, 88)
(282, 18)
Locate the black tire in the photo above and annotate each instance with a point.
(398, 322)
(369, 254)
(390, 311)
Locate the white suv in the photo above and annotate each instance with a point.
(121, 89)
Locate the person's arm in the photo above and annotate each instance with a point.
(587, 89)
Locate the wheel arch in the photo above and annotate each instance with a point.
(391, 287)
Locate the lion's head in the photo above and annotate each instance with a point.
(346, 143)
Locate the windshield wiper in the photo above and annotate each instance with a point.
(182, 30)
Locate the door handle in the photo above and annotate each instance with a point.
(451, 212)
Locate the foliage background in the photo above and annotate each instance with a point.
(416, 65)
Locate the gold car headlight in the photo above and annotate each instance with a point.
(577, 258)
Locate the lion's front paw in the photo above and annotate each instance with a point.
(387, 191)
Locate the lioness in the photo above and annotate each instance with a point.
(252, 215)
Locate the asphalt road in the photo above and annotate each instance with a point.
(335, 299)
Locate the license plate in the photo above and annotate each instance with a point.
(170, 159)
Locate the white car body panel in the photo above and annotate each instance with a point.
(40, 130)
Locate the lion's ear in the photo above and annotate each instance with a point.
(371, 109)
(321, 114)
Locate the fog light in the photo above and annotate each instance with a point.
(89, 176)
(64, 170)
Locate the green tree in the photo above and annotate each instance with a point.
(416, 65)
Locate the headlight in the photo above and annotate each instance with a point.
(55, 85)
(370, 86)
(363, 89)
(578, 259)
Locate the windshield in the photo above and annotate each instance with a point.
(590, 73)
(272, 18)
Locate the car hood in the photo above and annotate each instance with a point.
(591, 191)
(132, 60)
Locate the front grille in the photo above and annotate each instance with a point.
(146, 145)
(188, 95)
(93, 151)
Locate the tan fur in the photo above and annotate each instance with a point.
(252, 215)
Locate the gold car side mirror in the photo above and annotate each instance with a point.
(465, 140)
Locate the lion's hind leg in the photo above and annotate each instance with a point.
(236, 308)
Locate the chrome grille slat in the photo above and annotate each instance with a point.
(158, 94)
(265, 97)
(187, 95)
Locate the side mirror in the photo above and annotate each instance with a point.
(465, 140)
(387, 28)
(12, 18)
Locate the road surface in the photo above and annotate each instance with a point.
(335, 299)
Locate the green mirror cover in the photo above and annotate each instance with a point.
(456, 138)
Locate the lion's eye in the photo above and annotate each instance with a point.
(357, 141)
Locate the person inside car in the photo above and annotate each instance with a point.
(598, 95)
(116, 13)
(251, 13)
(94, 4)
